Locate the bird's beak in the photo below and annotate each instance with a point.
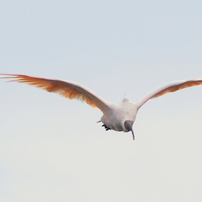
(133, 134)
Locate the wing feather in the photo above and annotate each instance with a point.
(66, 89)
(171, 87)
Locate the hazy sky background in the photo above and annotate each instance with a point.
(51, 148)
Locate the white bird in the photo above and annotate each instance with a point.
(118, 117)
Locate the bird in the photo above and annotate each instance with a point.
(117, 117)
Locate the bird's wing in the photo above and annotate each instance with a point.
(171, 87)
(67, 89)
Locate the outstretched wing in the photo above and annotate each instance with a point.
(171, 87)
(67, 89)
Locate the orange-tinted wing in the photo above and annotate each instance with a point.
(67, 89)
(172, 87)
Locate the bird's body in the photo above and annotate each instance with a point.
(118, 117)
(118, 114)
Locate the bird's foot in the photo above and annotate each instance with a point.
(106, 127)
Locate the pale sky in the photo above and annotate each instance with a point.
(52, 149)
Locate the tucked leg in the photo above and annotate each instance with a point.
(106, 127)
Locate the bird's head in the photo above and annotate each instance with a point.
(129, 127)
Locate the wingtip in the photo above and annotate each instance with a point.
(11, 77)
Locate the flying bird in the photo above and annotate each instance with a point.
(118, 117)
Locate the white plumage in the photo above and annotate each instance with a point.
(118, 117)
